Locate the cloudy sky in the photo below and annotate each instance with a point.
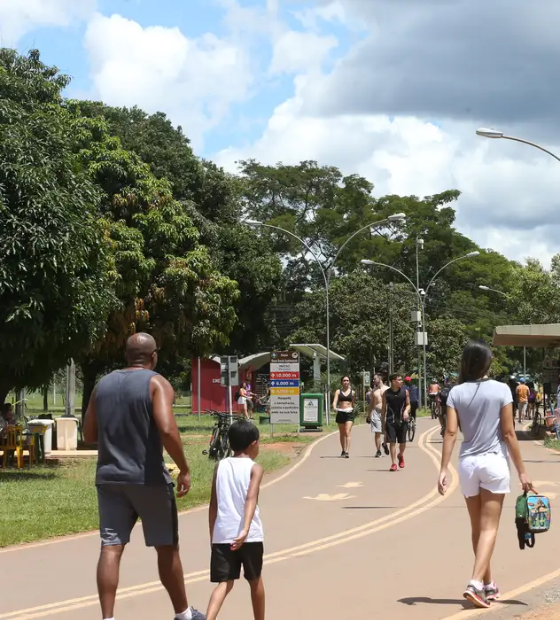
(393, 90)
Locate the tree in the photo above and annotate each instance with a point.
(166, 282)
(359, 321)
(55, 283)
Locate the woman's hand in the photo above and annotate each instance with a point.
(442, 482)
(526, 483)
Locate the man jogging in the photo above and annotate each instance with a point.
(395, 412)
(130, 417)
(374, 413)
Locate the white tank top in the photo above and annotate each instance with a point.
(232, 485)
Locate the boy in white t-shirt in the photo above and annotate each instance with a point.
(236, 530)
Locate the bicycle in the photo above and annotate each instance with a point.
(435, 406)
(411, 430)
(218, 448)
(537, 423)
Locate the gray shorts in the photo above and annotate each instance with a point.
(120, 505)
(376, 426)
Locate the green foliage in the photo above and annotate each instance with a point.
(55, 283)
(167, 282)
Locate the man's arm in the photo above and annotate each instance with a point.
(383, 410)
(213, 511)
(162, 399)
(90, 425)
(407, 405)
(257, 473)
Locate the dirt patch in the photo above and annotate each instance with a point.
(289, 449)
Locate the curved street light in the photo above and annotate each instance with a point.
(326, 272)
(422, 294)
(495, 134)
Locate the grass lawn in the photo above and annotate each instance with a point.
(554, 444)
(43, 502)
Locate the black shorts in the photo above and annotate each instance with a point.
(345, 416)
(225, 564)
(395, 432)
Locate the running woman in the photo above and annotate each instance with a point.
(395, 413)
(242, 397)
(374, 413)
(483, 409)
(343, 404)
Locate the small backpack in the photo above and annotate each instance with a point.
(236, 396)
(532, 516)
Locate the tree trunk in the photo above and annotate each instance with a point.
(46, 398)
(4, 391)
(89, 377)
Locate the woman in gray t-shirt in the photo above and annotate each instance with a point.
(482, 409)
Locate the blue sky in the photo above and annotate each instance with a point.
(246, 117)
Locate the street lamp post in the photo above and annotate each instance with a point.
(422, 295)
(482, 287)
(326, 272)
(495, 134)
(419, 246)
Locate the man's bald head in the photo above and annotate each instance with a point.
(141, 350)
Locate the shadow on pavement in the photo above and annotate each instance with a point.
(414, 600)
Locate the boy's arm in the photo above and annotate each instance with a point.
(257, 473)
(213, 511)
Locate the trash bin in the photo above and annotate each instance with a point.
(67, 433)
(46, 428)
(311, 410)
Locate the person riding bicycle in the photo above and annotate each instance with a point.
(433, 391)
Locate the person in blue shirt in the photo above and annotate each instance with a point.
(414, 394)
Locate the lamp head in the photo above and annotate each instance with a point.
(489, 133)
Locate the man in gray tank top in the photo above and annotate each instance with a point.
(130, 417)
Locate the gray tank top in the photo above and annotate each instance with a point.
(129, 445)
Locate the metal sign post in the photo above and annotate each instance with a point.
(229, 366)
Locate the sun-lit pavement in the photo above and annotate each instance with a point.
(343, 537)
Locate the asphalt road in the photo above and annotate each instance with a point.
(344, 538)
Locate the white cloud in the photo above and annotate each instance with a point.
(296, 52)
(505, 201)
(194, 81)
(19, 17)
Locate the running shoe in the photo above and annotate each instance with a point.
(476, 597)
(393, 468)
(342, 454)
(347, 455)
(378, 454)
(401, 460)
(492, 591)
(385, 448)
(196, 615)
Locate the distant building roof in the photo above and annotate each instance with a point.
(539, 336)
(314, 350)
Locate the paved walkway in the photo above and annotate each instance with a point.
(343, 538)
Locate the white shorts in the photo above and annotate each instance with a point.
(241, 400)
(484, 471)
(522, 408)
(376, 426)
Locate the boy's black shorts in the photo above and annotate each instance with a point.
(225, 564)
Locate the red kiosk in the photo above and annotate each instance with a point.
(253, 369)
